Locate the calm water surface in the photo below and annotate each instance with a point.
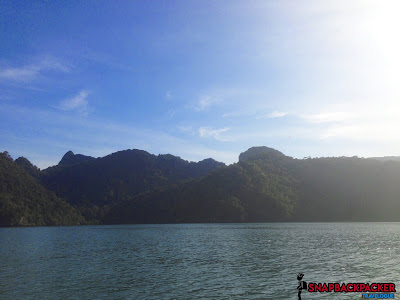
(194, 261)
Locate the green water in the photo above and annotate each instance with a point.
(194, 261)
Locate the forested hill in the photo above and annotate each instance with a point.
(348, 189)
(29, 196)
(261, 187)
(24, 202)
(268, 186)
(119, 176)
(70, 158)
(133, 186)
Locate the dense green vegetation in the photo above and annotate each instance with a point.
(348, 189)
(24, 202)
(268, 186)
(90, 185)
(95, 185)
(258, 188)
(134, 186)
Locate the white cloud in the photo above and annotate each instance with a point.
(185, 128)
(105, 59)
(168, 95)
(96, 137)
(214, 133)
(372, 121)
(276, 114)
(373, 133)
(19, 74)
(78, 103)
(32, 71)
(273, 115)
(235, 101)
(327, 117)
(231, 114)
(205, 102)
(171, 113)
(51, 63)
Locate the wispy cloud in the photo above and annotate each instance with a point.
(273, 115)
(19, 74)
(276, 114)
(214, 133)
(60, 132)
(234, 101)
(168, 95)
(171, 113)
(205, 102)
(105, 59)
(183, 128)
(52, 63)
(78, 103)
(327, 117)
(31, 71)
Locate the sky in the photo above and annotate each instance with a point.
(199, 79)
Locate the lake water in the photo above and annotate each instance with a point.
(194, 261)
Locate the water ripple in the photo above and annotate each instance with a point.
(194, 261)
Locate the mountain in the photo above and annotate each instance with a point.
(348, 189)
(134, 186)
(386, 158)
(28, 166)
(261, 153)
(70, 158)
(81, 189)
(25, 202)
(258, 188)
(265, 185)
(119, 176)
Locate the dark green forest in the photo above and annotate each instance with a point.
(25, 202)
(267, 186)
(95, 185)
(134, 186)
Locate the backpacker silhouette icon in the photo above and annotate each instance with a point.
(302, 284)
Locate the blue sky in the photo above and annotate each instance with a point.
(199, 79)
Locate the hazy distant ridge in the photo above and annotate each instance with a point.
(134, 186)
(386, 158)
